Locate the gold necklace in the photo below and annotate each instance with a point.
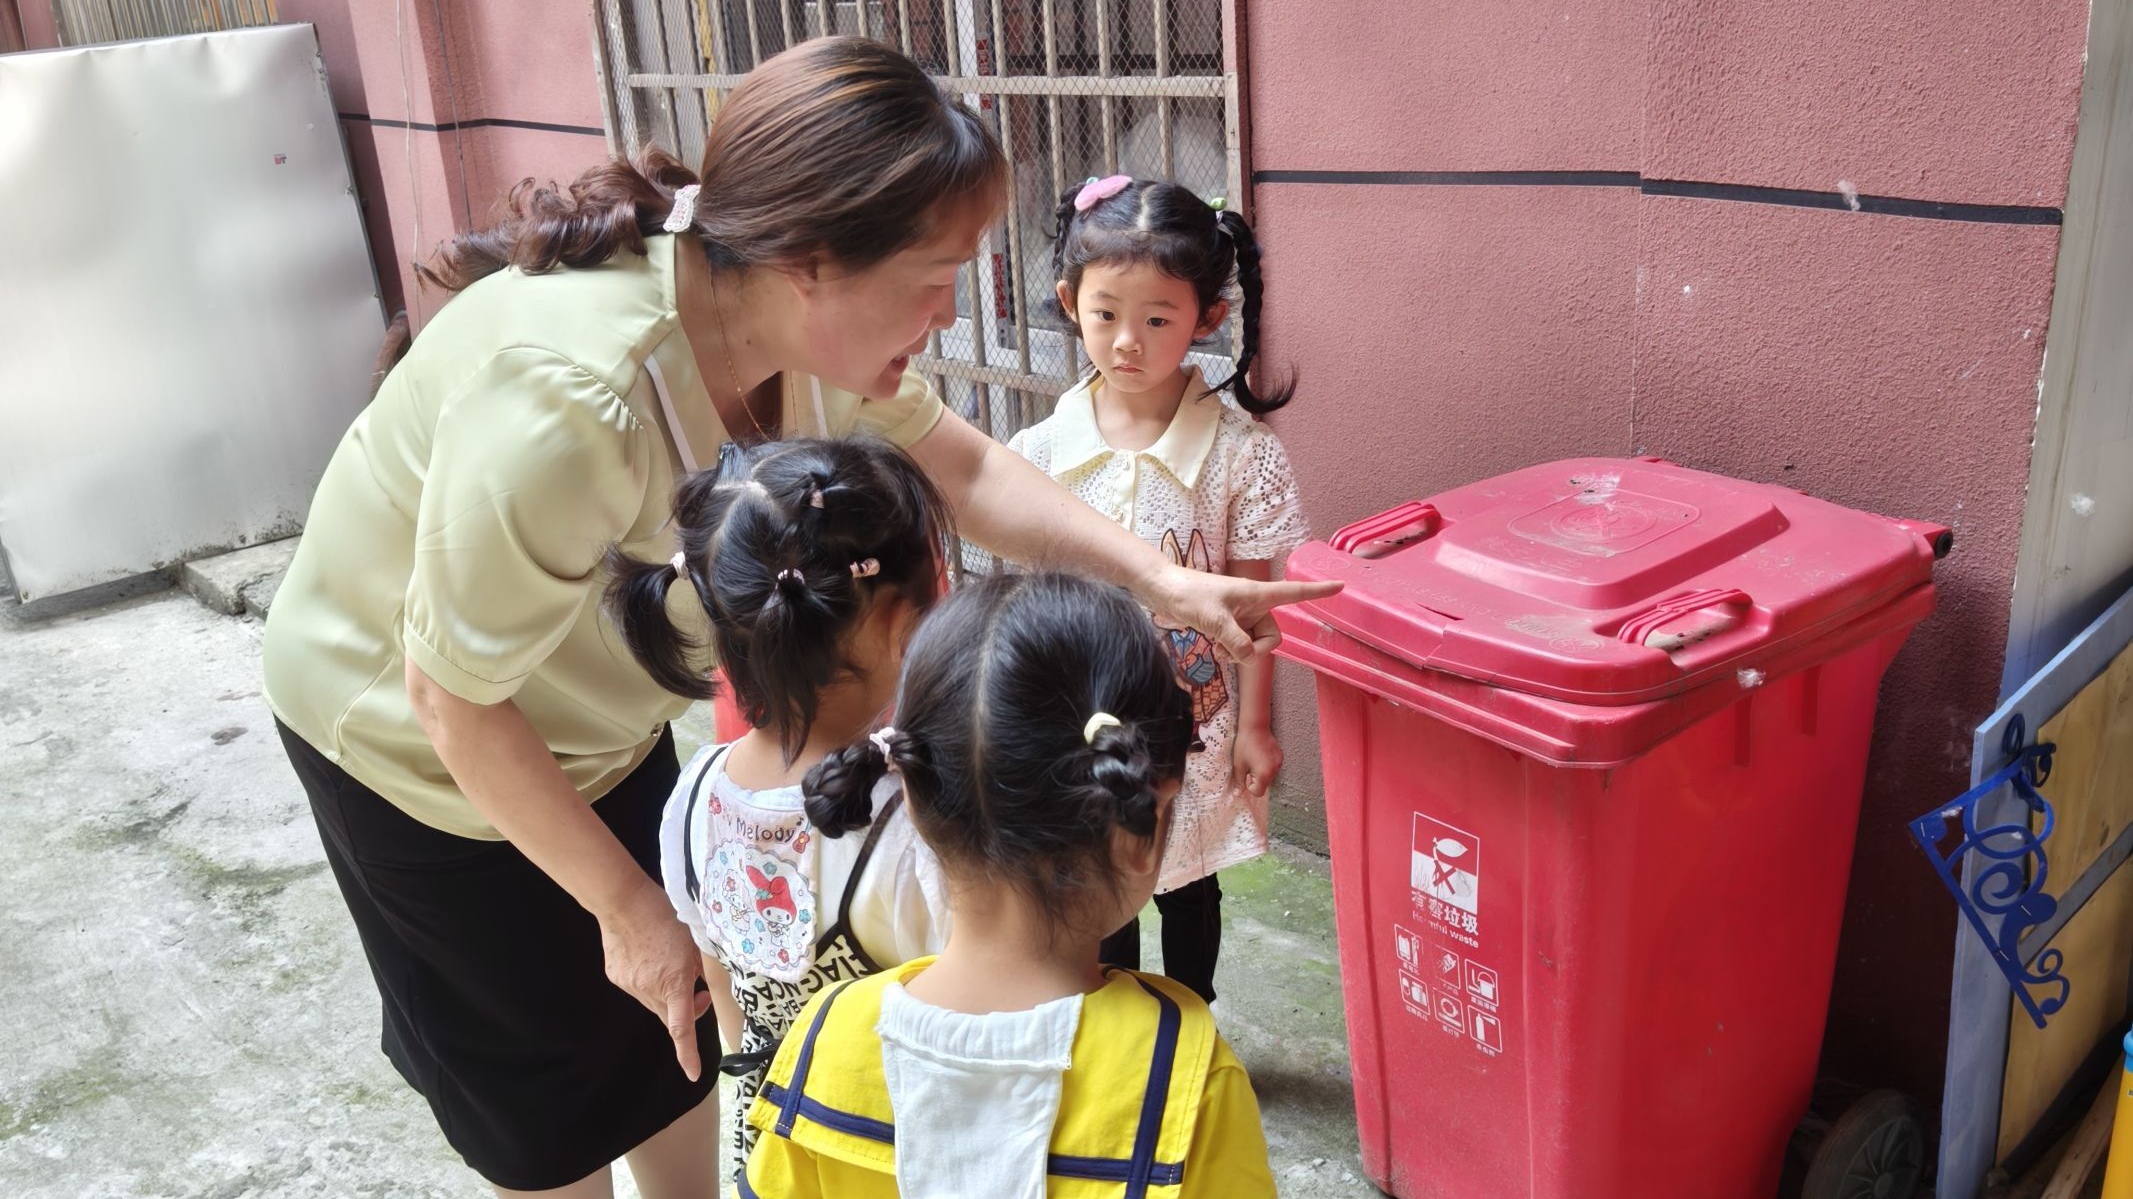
(726, 344)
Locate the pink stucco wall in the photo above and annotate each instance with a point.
(1888, 362)
(1443, 86)
(1966, 101)
(39, 30)
(468, 78)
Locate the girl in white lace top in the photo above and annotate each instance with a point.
(1143, 268)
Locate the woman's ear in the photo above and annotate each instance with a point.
(1212, 319)
(804, 277)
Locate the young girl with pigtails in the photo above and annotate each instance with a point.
(1040, 737)
(1144, 271)
(813, 560)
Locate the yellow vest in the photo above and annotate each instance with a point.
(1155, 1103)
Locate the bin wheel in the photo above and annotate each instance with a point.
(1875, 1150)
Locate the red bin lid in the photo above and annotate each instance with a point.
(1610, 581)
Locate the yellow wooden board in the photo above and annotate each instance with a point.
(2091, 784)
(2091, 792)
(2040, 1063)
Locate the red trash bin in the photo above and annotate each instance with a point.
(1594, 736)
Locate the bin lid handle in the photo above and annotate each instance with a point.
(1377, 536)
(1641, 628)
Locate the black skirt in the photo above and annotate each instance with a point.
(496, 1000)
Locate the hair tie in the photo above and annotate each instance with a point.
(866, 568)
(1102, 720)
(814, 498)
(790, 573)
(879, 738)
(683, 214)
(1096, 191)
(1218, 203)
(680, 563)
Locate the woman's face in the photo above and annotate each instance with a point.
(859, 330)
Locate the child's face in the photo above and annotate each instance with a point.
(1137, 323)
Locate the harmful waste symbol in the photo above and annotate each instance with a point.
(1446, 864)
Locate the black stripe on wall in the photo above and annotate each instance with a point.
(476, 123)
(1937, 210)
(1457, 178)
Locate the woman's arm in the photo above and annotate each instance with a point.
(508, 773)
(1012, 509)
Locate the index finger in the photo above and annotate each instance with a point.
(1266, 635)
(1295, 591)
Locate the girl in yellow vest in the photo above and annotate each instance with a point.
(1042, 736)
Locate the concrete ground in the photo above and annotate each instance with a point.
(184, 1010)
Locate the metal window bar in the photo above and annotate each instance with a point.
(716, 29)
(94, 22)
(1162, 67)
(755, 36)
(1125, 87)
(953, 51)
(648, 37)
(684, 43)
(1073, 88)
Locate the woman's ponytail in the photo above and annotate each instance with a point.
(608, 209)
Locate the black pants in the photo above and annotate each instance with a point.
(1192, 936)
(493, 982)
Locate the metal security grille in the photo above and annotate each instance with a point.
(89, 22)
(1074, 88)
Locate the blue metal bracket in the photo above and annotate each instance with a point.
(2009, 889)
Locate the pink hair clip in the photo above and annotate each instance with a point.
(866, 568)
(1096, 191)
